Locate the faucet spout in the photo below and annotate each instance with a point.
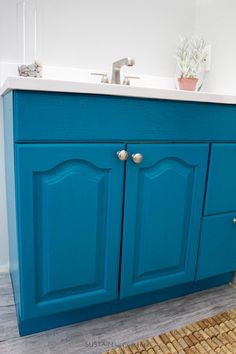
(117, 65)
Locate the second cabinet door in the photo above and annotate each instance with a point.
(70, 212)
(162, 216)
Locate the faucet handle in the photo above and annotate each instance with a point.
(126, 80)
(104, 79)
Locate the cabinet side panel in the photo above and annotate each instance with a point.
(11, 198)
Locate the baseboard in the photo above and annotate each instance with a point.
(4, 268)
(39, 324)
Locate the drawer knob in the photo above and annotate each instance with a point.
(234, 220)
(137, 158)
(122, 155)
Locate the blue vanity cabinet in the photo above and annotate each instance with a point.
(69, 201)
(91, 235)
(162, 216)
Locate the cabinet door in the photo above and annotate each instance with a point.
(162, 216)
(69, 202)
(218, 246)
(221, 191)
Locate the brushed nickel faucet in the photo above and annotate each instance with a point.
(117, 65)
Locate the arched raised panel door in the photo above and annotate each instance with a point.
(162, 216)
(70, 212)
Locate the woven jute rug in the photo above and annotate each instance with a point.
(216, 334)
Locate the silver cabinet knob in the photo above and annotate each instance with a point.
(122, 155)
(137, 158)
(234, 220)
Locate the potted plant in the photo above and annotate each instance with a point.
(191, 54)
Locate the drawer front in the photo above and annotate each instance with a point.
(55, 117)
(221, 191)
(217, 253)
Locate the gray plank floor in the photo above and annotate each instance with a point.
(95, 336)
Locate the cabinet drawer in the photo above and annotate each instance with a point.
(217, 253)
(221, 191)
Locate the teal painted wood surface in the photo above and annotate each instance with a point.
(48, 116)
(162, 216)
(69, 199)
(91, 235)
(221, 191)
(217, 253)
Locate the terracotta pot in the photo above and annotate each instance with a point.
(187, 83)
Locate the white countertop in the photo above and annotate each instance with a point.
(64, 85)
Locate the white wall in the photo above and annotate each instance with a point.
(92, 34)
(8, 30)
(215, 19)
